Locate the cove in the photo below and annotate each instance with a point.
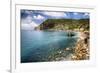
(38, 46)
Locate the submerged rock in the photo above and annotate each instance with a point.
(67, 49)
(70, 34)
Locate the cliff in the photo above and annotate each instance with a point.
(64, 24)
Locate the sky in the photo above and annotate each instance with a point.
(33, 18)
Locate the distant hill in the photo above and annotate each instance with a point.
(64, 24)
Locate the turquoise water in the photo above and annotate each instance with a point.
(37, 46)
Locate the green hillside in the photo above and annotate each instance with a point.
(64, 24)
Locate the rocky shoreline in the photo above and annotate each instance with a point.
(81, 50)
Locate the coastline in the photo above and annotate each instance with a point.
(81, 50)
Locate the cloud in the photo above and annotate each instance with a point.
(86, 14)
(55, 14)
(28, 19)
(39, 17)
(28, 23)
(25, 26)
(33, 24)
(29, 26)
(28, 11)
(75, 13)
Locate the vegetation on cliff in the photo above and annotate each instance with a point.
(64, 24)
